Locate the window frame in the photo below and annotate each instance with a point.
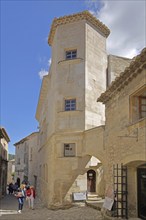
(136, 105)
(72, 148)
(141, 111)
(71, 54)
(69, 105)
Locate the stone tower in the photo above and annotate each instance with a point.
(68, 101)
(81, 75)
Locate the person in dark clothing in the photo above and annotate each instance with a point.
(10, 188)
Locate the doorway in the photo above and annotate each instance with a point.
(141, 189)
(18, 182)
(91, 181)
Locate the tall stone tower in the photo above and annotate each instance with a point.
(79, 62)
(68, 99)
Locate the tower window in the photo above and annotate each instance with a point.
(69, 150)
(70, 104)
(71, 54)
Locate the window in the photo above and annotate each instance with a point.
(72, 54)
(70, 104)
(69, 150)
(138, 105)
(142, 106)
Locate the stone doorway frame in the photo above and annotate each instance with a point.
(91, 180)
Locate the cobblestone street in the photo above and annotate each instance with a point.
(8, 211)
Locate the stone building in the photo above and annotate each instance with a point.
(11, 169)
(33, 160)
(125, 136)
(71, 120)
(67, 104)
(4, 140)
(23, 159)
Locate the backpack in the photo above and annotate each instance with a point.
(28, 192)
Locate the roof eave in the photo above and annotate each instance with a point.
(4, 134)
(77, 17)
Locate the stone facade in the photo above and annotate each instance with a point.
(116, 65)
(23, 160)
(33, 160)
(125, 134)
(11, 171)
(79, 79)
(4, 140)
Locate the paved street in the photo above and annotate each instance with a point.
(8, 211)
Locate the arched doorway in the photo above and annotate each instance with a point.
(18, 182)
(141, 190)
(91, 181)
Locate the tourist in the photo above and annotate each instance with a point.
(20, 196)
(32, 197)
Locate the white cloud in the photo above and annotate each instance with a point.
(49, 62)
(126, 20)
(42, 73)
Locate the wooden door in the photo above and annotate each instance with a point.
(91, 181)
(141, 186)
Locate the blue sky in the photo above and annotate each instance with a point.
(25, 53)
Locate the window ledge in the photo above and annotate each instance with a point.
(139, 123)
(72, 112)
(70, 61)
(68, 157)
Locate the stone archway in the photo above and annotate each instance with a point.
(95, 171)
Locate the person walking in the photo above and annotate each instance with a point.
(20, 196)
(28, 194)
(32, 197)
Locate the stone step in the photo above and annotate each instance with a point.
(95, 204)
(94, 198)
(92, 195)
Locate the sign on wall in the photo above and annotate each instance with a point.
(109, 198)
(79, 196)
(108, 203)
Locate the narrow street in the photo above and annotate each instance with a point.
(9, 206)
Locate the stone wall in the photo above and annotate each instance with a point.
(125, 141)
(116, 65)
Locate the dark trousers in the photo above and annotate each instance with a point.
(20, 203)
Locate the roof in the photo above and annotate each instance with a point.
(137, 64)
(3, 134)
(25, 139)
(85, 15)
